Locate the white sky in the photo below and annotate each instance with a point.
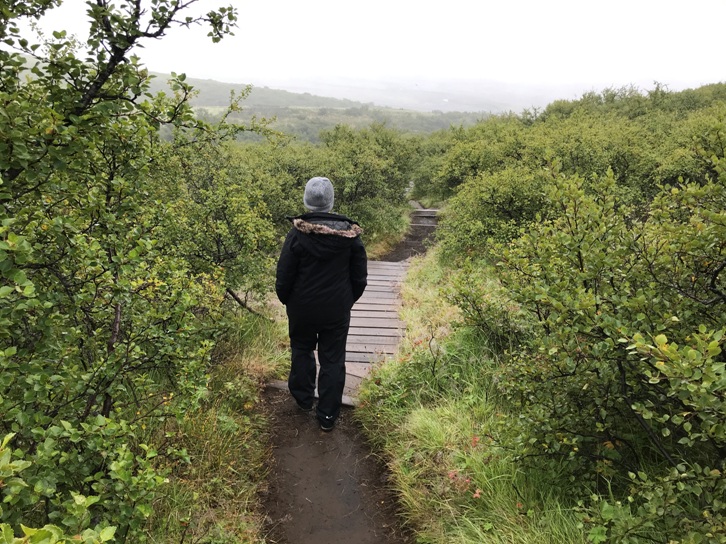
(595, 44)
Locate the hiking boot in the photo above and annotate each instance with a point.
(326, 424)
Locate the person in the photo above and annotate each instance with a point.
(321, 272)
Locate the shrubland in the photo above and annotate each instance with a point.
(562, 381)
(584, 248)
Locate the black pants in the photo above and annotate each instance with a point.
(330, 339)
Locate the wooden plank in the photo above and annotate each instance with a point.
(357, 357)
(368, 358)
(381, 314)
(372, 331)
(394, 323)
(390, 264)
(364, 330)
(370, 348)
(392, 302)
(391, 288)
(350, 391)
(376, 268)
(387, 274)
(378, 296)
(382, 280)
(379, 310)
(360, 370)
(379, 289)
(355, 339)
(385, 306)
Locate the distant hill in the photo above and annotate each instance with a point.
(215, 94)
(305, 115)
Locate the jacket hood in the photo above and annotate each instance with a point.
(324, 235)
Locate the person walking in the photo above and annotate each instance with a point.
(321, 272)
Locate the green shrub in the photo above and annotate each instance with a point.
(493, 207)
(601, 285)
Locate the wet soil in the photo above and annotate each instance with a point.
(329, 488)
(325, 488)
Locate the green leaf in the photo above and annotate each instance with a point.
(107, 534)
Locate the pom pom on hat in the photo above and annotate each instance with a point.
(319, 195)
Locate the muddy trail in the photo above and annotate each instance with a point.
(325, 488)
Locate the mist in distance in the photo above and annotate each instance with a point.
(447, 95)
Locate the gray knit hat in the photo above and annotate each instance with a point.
(319, 196)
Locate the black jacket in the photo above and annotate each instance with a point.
(323, 267)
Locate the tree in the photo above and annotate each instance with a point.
(97, 325)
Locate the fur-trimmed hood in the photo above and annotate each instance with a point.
(325, 234)
(328, 227)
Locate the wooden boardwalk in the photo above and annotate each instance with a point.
(375, 329)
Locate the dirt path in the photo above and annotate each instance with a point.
(328, 488)
(325, 488)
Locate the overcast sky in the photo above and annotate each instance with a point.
(524, 42)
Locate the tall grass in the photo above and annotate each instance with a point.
(436, 416)
(211, 492)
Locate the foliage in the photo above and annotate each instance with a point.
(600, 285)
(372, 168)
(369, 169)
(435, 412)
(219, 220)
(493, 207)
(212, 490)
(98, 325)
(481, 169)
(488, 146)
(430, 153)
(76, 521)
(487, 307)
(606, 306)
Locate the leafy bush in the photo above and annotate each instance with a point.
(76, 520)
(492, 208)
(600, 285)
(99, 326)
(486, 307)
